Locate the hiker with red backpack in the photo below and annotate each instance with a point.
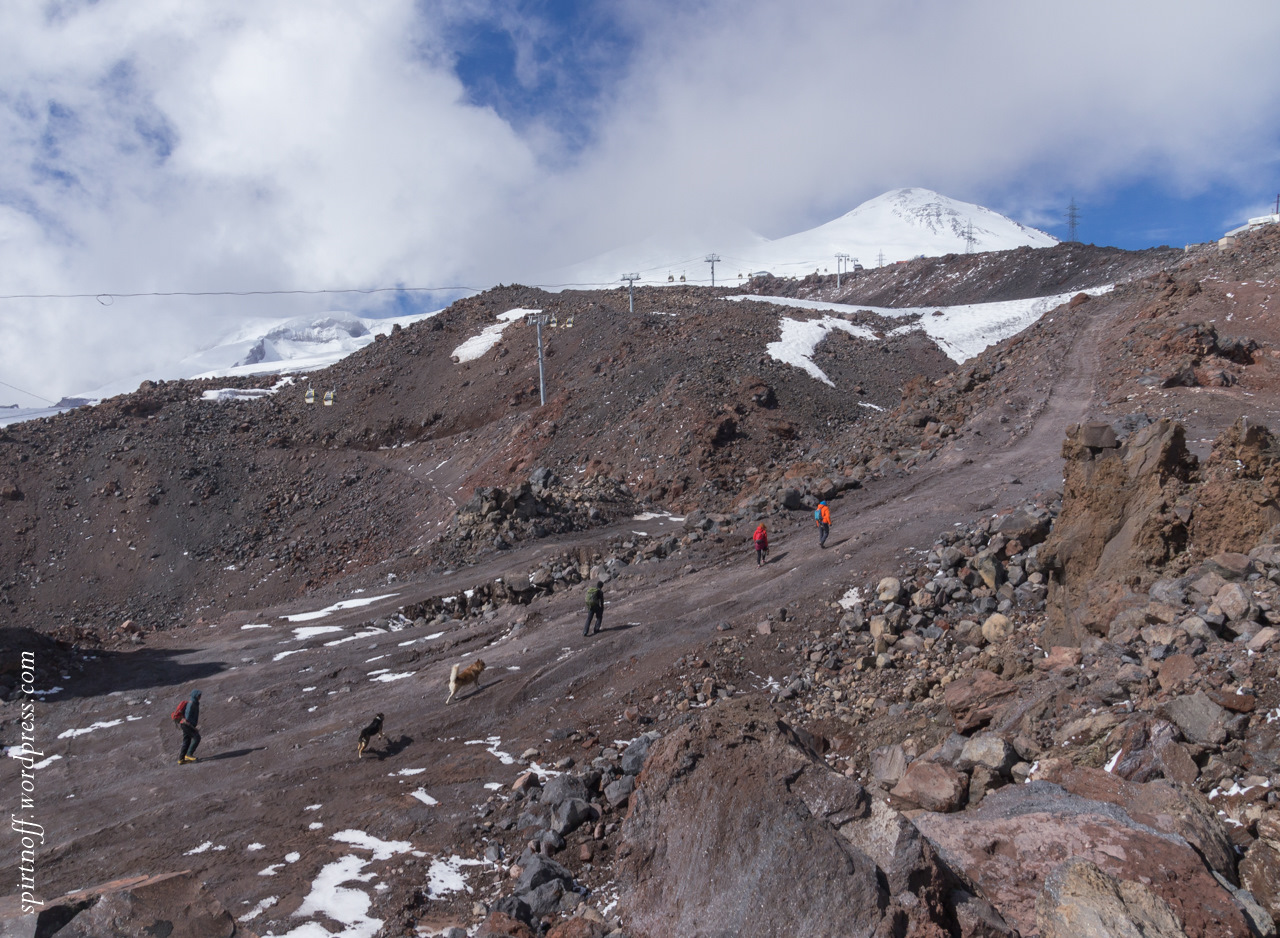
(761, 540)
(185, 716)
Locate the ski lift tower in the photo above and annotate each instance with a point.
(711, 259)
(840, 259)
(539, 318)
(631, 283)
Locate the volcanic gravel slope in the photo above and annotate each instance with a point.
(207, 522)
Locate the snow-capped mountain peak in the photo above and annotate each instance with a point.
(896, 226)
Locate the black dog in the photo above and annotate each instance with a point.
(370, 731)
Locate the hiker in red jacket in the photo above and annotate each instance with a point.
(761, 539)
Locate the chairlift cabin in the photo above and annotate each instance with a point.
(328, 398)
(310, 396)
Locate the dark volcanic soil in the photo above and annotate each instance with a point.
(207, 522)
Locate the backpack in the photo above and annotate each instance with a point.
(179, 711)
(817, 514)
(593, 597)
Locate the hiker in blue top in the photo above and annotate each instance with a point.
(187, 719)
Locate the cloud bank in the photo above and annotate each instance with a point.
(163, 145)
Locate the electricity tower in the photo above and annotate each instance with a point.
(969, 239)
(880, 259)
(631, 283)
(1073, 219)
(711, 259)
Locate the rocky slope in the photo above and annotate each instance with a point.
(1028, 688)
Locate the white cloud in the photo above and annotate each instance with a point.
(224, 144)
(788, 114)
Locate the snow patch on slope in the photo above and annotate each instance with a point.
(490, 336)
(960, 331)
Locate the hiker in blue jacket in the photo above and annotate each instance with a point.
(187, 722)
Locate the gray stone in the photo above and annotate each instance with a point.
(562, 788)
(536, 870)
(889, 589)
(1200, 719)
(987, 749)
(545, 899)
(888, 763)
(1196, 627)
(634, 755)
(1172, 592)
(618, 792)
(571, 814)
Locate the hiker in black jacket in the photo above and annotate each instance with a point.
(595, 607)
(190, 735)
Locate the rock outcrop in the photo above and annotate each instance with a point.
(734, 809)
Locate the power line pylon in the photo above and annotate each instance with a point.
(1073, 219)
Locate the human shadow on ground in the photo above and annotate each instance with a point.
(615, 628)
(232, 754)
(776, 558)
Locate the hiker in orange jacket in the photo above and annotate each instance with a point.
(761, 539)
(822, 515)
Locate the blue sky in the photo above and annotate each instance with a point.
(221, 145)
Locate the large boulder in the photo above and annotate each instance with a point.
(1146, 511)
(734, 811)
(1020, 834)
(1081, 901)
(932, 786)
(1114, 525)
(1164, 805)
(138, 907)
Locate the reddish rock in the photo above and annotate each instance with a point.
(1262, 639)
(579, 928)
(1175, 671)
(1114, 524)
(1229, 565)
(1020, 834)
(732, 811)
(1147, 749)
(1060, 658)
(932, 786)
(1183, 812)
(1260, 874)
(1235, 602)
(1236, 703)
(975, 700)
(501, 925)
